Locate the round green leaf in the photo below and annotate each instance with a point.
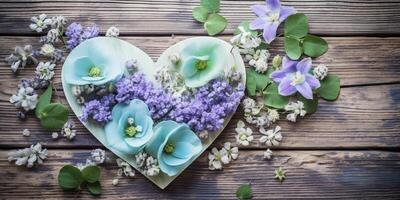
(244, 192)
(310, 105)
(53, 116)
(273, 99)
(292, 48)
(94, 188)
(251, 85)
(211, 5)
(314, 46)
(215, 24)
(91, 174)
(296, 25)
(200, 14)
(69, 177)
(44, 100)
(330, 88)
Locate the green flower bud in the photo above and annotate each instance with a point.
(277, 61)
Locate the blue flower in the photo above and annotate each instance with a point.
(131, 127)
(95, 61)
(202, 61)
(174, 145)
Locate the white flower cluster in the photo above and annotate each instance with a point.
(170, 80)
(40, 23)
(147, 164)
(112, 32)
(28, 156)
(295, 109)
(48, 50)
(271, 137)
(25, 98)
(68, 130)
(246, 39)
(57, 24)
(258, 59)
(21, 57)
(45, 70)
(97, 157)
(216, 159)
(244, 135)
(232, 75)
(268, 154)
(320, 72)
(26, 132)
(254, 113)
(124, 168)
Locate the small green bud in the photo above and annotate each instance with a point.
(277, 61)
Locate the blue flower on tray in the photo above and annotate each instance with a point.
(202, 61)
(131, 127)
(174, 145)
(294, 77)
(94, 62)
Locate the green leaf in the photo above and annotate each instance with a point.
(215, 24)
(292, 48)
(211, 5)
(246, 27)
(330, 88)
(310, 105)
(314, 46)
(91, 174)
(53, 116)
(69, 177)
(273, 99)
(94, 188)
(296, 25)
(251, 85)
(244, 192)
(44, 100)
(200, 14)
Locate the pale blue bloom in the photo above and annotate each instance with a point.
(122, 115)
(174, 145)
(95, 61)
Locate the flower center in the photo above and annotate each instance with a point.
(94, 72)
(169, 148)
(243, 136)
(298, 78)
(218, 156)
(274, 17)
(39, 23)
(201, 64)
(131, 129)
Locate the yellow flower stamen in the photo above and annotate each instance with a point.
(94, 72)
(169, 148)
(201, 64)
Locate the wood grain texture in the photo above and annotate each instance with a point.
(310, 174)
(363, 117)
(357, 60)
(360, 17)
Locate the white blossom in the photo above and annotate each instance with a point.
(124, 168)
(45, 71)
(68, 131)
(232, 75)
(250, 107)
(244, 135)
(54, 135)
(28, 156)
(25, 98)
(273, 115)
(50, 51)
(231, 152)
(203, 134)
(267, 154)
(40, 23)
(260, 60)
(271, 137)
(97, 156)
(215, 159)
(112, 32)
(320, 72)
(174, 58)
(21, 57)
(115, 181)
(53, 36)
(26, 132)
(147, 164)
(295, 109)
(58, 22)
(245, 39)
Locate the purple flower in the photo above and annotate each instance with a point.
(98, 110)
(76, 34)
(269, 17)
(294, 77)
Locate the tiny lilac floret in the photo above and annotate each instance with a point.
(269, 17)
(295, 77)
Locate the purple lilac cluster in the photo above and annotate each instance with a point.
(99, 110)
(76, 34)
(211, 104)
(137, 87)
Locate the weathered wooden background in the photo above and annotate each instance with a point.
(348, 149)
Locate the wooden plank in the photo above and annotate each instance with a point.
(310, 174)
(363, 117)
(357, 60)
(174, 17)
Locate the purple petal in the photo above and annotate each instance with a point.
(304, 65)
(258, 23)
(286, 11)
(269, 33)
(273, 4)
(260, 10)
(277, 76)
(289, 65)
(312, 81)
(305, 90)
(285, 88)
